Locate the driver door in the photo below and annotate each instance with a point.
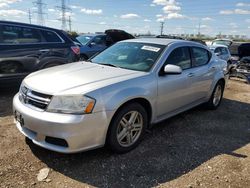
(173, 89)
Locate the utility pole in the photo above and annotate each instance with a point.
(40, 13)
(63, 8)
(29, 16)
(70, 23)
(162, 27)
(199, 29)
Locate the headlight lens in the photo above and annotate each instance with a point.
(71, 104)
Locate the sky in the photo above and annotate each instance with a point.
(231, 17)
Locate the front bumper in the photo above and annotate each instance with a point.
(81, 132)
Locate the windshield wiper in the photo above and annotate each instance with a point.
(108, 64)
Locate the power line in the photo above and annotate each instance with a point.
(63, 8)
(70, 24)
(161, 27)
(40, 13)
(29, 16)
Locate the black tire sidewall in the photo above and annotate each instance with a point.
(210, 102)
(112, 137)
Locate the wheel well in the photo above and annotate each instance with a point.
(144, 102)
(222, 80)
(84, 55)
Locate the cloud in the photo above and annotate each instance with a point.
(171, 8)
(51, 10)
(12, 12)
(92, 11)
(102, 23)
(175, 16)
(235, 11)
(242, 4)
(170, 16)
(75, 7)
(147, 20)
(129, 16)
(165, 2)
(247, 20)
(5, 3)
(207, 19)
(152, 5)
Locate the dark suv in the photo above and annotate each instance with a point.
(25, 48)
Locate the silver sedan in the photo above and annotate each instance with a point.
(115, 96)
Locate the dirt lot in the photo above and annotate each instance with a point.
(198, 148)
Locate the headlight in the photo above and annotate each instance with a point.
(71, 104)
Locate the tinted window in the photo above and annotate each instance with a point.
(50, 36)
(201, 56)
(180, 57)
(100, 40)
(19, 35)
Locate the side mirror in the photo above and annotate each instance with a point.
(218, 54)
(172, 69)
(92, 44)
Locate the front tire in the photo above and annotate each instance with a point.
(216, 97)
(127, 128)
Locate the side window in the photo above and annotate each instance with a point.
(180, 57)
(201, 56)
(19, 35)
(217, 50)
(50, 36)
(223, 51)
(100, 40)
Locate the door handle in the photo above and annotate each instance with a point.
(190, 74)
(44, 50)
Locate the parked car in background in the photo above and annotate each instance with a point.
(115, 96)
(25, 48)
(222, 52)
(225, 42)
(95, 43)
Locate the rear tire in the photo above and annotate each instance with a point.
(127, 128)
(216, 97)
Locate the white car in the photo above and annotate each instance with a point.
(222, 52)
(113, 98)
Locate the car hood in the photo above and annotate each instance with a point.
(81, 74)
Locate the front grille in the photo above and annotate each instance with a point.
(33, 98)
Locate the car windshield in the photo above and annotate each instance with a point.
(130, 55)
(83, 39)
(223, 42)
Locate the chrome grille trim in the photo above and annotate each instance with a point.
(30, 99)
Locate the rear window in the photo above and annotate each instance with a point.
(50, 36)
(201, 56)
(19, 35)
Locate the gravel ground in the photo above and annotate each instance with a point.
(198, 148)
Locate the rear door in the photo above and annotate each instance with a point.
(173, 90)
(202, 74)
(19, 47)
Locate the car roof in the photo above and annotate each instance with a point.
(162, 41)
(92, 35)
(217, 45)
(28, 25)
